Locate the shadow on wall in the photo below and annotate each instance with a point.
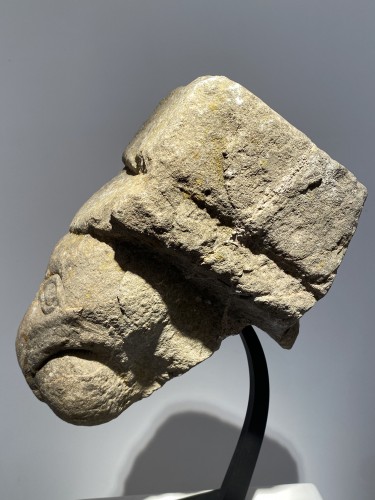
(191, 452)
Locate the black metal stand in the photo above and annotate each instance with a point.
(240, 471)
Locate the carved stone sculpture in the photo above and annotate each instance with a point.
(224, 215)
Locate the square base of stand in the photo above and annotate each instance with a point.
(303, 491)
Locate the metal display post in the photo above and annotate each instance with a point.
(240, 471)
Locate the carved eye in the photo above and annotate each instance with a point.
(50, 295)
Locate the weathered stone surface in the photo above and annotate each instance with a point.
(110, 325)
(225, 215)
(238, 198)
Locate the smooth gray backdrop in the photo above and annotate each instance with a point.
(77, 79)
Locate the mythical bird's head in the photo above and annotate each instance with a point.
(225, 215)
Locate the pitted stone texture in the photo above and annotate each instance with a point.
(239, 199)
(224, 216)
(109, 326)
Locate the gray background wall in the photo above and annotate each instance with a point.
(77, 78)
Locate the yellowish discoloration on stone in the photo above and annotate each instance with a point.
(225, 216)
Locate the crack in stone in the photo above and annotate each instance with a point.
(313, 185)
(251, 242)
